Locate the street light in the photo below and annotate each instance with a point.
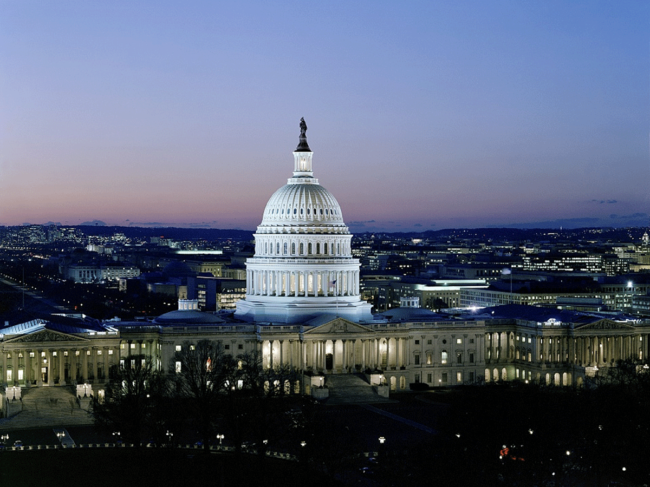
(381, 440)
(220, 438)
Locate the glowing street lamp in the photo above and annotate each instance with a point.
(220, 438)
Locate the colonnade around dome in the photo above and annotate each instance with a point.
(302, 283)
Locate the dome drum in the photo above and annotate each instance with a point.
(302, 245)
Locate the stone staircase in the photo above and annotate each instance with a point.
(47, 406)
(351, 389)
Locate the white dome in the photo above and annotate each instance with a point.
(302, 205)
(303, 264)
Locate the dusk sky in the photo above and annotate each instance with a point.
(422, 114)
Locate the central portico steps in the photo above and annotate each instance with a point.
(351, 389)
(47, 406)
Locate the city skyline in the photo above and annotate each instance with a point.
(421, 117)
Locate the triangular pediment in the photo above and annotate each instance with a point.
(46, 336)
(339, 325)
(605, 324)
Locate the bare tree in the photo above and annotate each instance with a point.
(135, 401)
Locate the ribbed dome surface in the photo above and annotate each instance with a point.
(302, 204)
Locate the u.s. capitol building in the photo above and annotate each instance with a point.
(303, 309)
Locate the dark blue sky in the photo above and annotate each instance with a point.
(421, 114)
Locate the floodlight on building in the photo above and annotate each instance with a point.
(382, 440)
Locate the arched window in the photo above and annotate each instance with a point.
(318, 248)
(325, 249)
(301, 211)
(295, 210)
(302, 248)
(286, 246)
(277, 248)
(266, 248)
(293, 249)
(309, 248)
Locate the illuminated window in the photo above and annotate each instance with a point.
(443, 357)
(121, 346)
(177, 367)
(133, 346)
(459, 377)
(192, 348)
(31, 354)
(110, 352)
(459, 341)
(143, 345)
(178, 348)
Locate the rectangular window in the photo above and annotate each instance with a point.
(54, 354)
(192, 347)
(110, 352)
(471, 376)
(471, 340)
(121, 364)
(444, 378)
(240, 347)
(227, 347)
(459, 377)
(31, 354)
(459, 358)
(443, 357)
(143, 345)
(133, 346)
(417, 378)
(417, 360)
(429, 342)
(178, 348)
(471, 358)
(429, 378)
(121, 346)
(459, 341)
(9, 379)
(417, 342)
(20, 374)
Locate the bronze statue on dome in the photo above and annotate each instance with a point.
(303, 128)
